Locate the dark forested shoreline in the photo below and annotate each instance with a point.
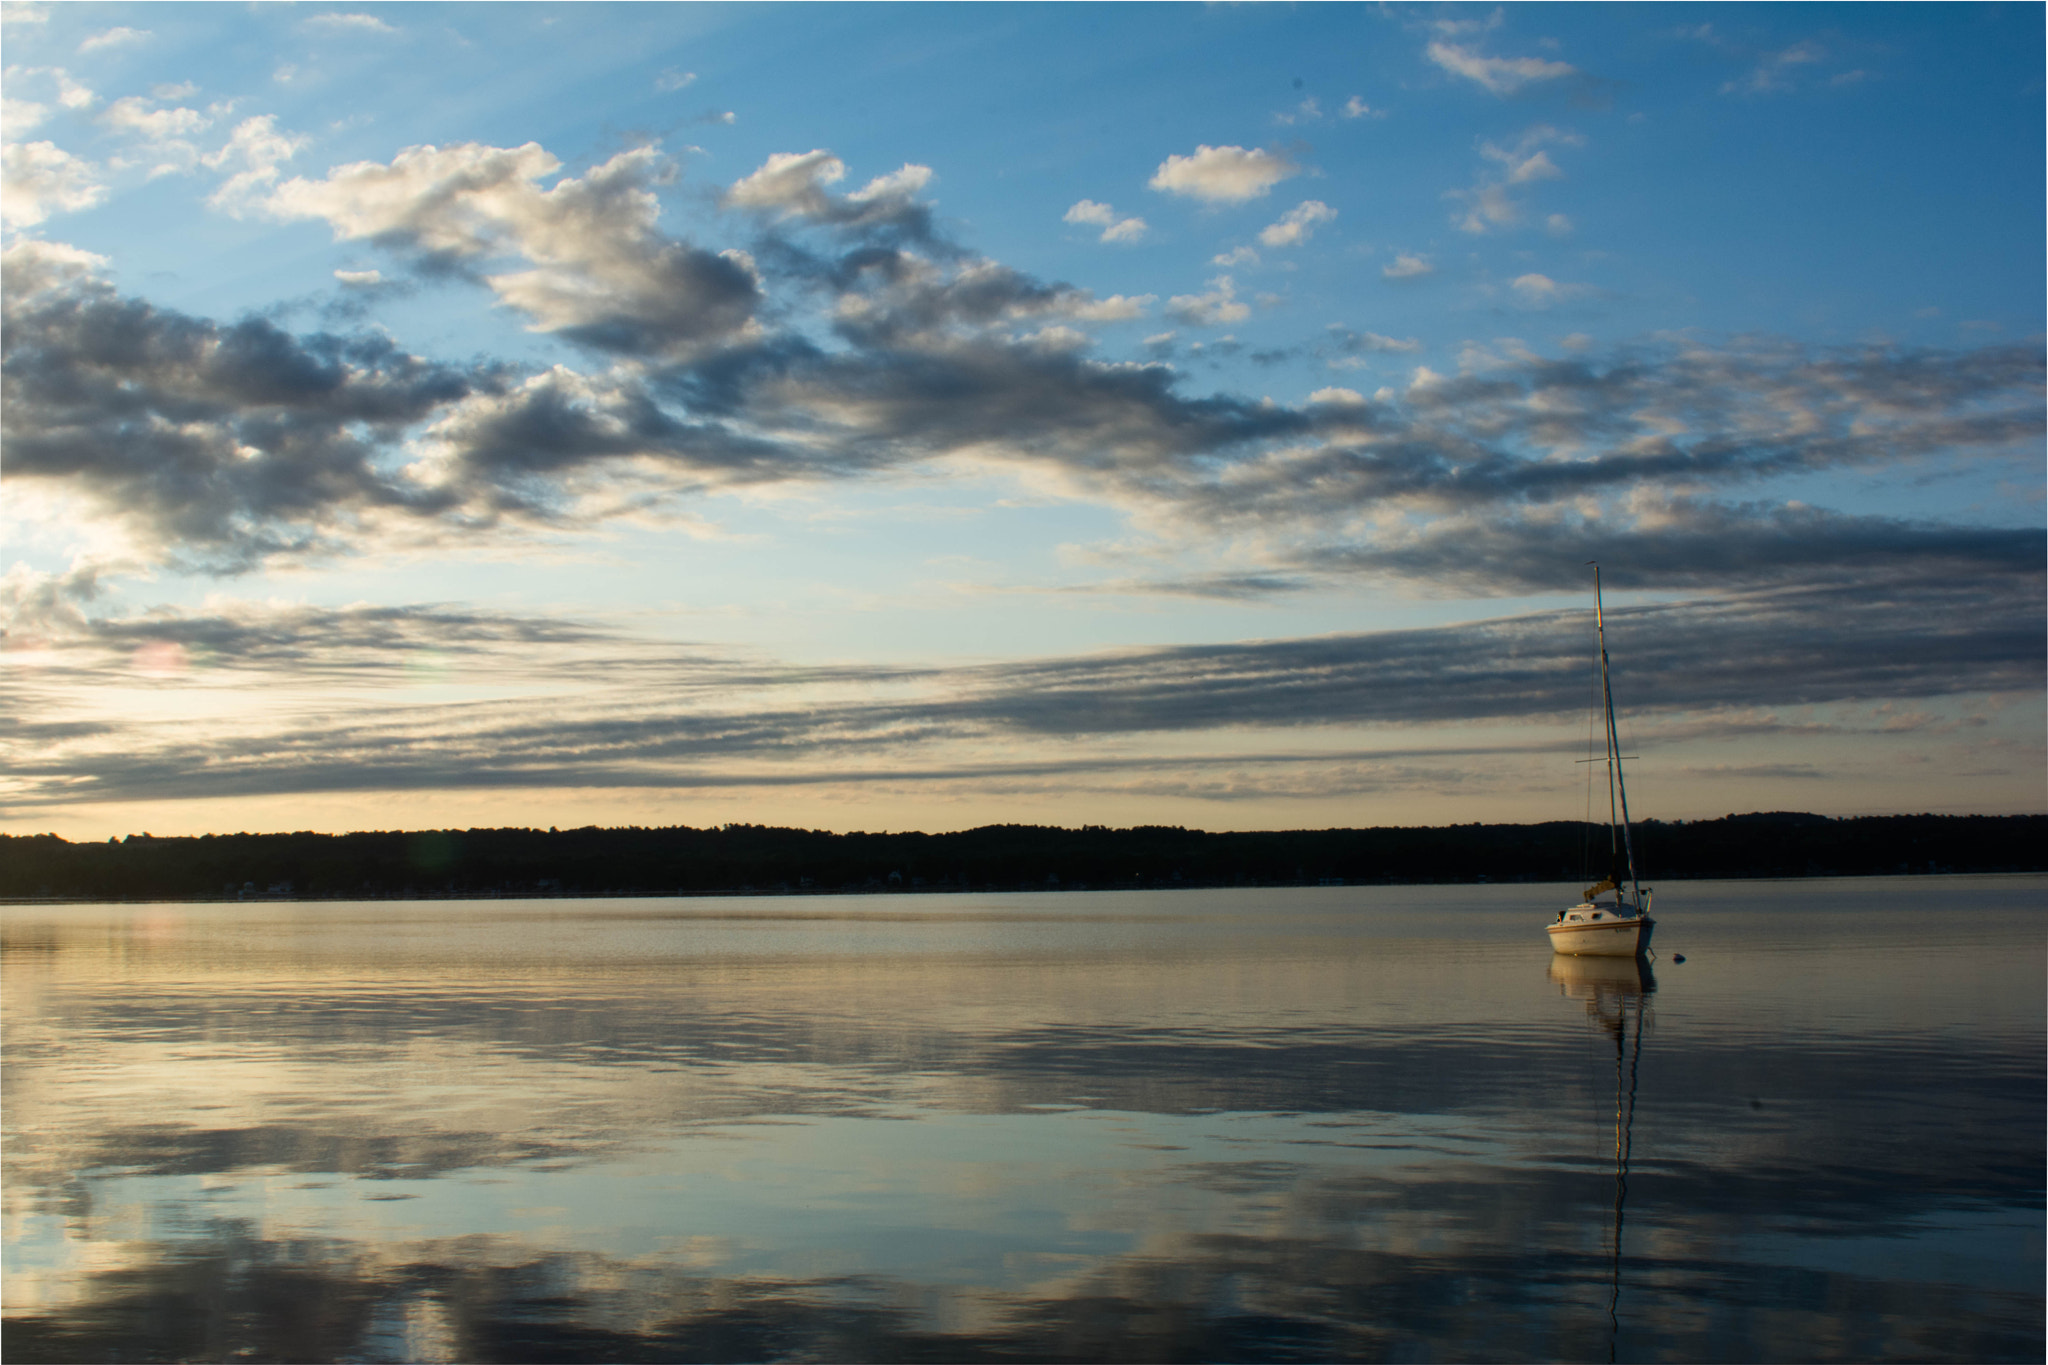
(761, 859)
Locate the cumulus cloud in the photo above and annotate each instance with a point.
(70, 93)
(1216, 308)
(535, 448)
(672, 80)
(850, 340)
(1408, 265)
(1500, 75)
(216, 445)
(793, 185)
(165, 135)
(1223, 175)
(253, 153)
(1524, 170)
(133, 114)
(1356, 107)
(885, 299)
(222, 446)
(789, 181)
(41, 268)
(1114, 229)
(42, 179)
(1115, 308)
(598, 270)
(1540, 291)
(1297, 224)
(19, 116)
(230, 443)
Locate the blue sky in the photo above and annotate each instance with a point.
(884, 417)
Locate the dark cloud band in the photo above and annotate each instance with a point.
(662, 720)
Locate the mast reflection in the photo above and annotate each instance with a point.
(1616, 993)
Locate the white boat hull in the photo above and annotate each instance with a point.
(1608, 936)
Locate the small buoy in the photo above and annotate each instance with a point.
(1678, 957)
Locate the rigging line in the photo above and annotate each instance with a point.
(1607, 699)
(1586, 826)
(1632, 834)
(1618, 784)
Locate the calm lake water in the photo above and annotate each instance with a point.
(1330, 1123)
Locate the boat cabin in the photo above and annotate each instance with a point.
(1596, 912)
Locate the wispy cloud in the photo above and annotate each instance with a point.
(666, 720)
(1499, 75)
(1774, 70)
(1297, 224)
(1351, 346)
(349, 23)
(1777, 70)
(1493, 202)
(114, 37)
(1310, 110)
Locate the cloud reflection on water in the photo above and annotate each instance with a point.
(1295, 1128)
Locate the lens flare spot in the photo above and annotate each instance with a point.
(162, 659)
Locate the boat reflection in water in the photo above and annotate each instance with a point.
(1616, 993)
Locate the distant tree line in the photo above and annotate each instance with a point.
(762, 859)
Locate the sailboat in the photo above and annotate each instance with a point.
(1620, 927)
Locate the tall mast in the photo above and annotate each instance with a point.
(1617, 787)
